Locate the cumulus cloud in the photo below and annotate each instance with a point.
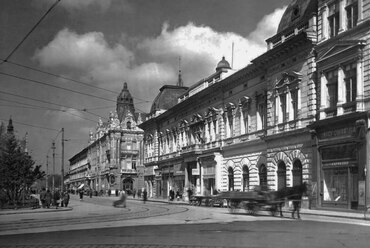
(200, 48)
(267, 27)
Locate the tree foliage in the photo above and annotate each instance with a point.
(17, 169)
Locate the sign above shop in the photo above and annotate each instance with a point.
(340, 132)
(195, 172)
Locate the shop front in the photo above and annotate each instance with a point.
(341, 162)
(208, 175)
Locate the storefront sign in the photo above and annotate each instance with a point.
(346, 131)
(361, 193)
(195, 172)
(208, 170)
(338, 164)
(128, 171)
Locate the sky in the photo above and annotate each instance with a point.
(69, 70)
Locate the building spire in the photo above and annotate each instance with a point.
(179, 81)
(10, 128)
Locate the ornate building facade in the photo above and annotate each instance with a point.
(297, 113)
(113, 159)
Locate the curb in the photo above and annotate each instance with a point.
(35, 211)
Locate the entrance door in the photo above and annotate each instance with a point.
(127, 185)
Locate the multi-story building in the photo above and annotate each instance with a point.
(113, 159)
(296, 114)
(343, 88)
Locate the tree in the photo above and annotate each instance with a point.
(17, 170)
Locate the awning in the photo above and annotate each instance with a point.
(81, 186)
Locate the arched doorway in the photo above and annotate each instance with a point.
(297, 173)
(263, 175)
(127, 185)
(245, 178)
(281, 175)
(231, 178)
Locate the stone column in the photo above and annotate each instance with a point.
(323, 95)
(341, 91)
(342, 16)
(324, 23)
(360, 86)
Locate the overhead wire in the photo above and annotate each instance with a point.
(29, 32)
(70, 79)
(24, 124)
(56, 104)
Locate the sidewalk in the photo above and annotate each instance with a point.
(338, 213)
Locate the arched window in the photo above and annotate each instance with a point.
(263, 175)
(231, 178)
(281, 173)
(297, 173)
(245, 178)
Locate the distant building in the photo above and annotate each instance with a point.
(113, 159)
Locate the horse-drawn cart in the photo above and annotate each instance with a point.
(272, 201)
(209, 200)
(251, 202)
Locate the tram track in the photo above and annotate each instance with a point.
(153, 210)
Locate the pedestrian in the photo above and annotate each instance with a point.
(172, 195)
(56, 198)
(134, 193)
(48, 198)
(42, 197)
(121, 200)
(145, 195)
(90, 193)
(65, 199)
(178, 196)
(81, 192)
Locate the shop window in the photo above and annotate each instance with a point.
(245, 178)
(263, 175)
(297, 173)
(281, 173)
(335, 185)
(351, 83)
(231, 178)
(352, 14)
(333, 20)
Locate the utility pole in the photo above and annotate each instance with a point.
(47, 172)
(53, 147)
(62, 177)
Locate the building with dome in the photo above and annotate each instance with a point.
(297, 113)
(113, 160)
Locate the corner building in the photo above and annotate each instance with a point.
(297, 113)
(113, 158)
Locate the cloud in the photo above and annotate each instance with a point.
(267, 27)
(200, 48)
(73, 5)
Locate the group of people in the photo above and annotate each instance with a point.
(172, 195)
(51, 198)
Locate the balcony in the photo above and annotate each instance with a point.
(194, 148)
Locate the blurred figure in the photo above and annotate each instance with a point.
(81, 192)
(134, 193)
(48, 197)
(122, 200)
(56, 198)
(145, 195)
(42, 197)
(65, 199)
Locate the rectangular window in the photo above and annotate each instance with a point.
(333, 20)
(351, 82)
(283, 108)
(231, 125)
(332, 85)
(246, 121)
(261, 116)
(352, 14)
(294, 95)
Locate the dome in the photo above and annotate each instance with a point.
(297, 12)
(223, 64)
(167, 97)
